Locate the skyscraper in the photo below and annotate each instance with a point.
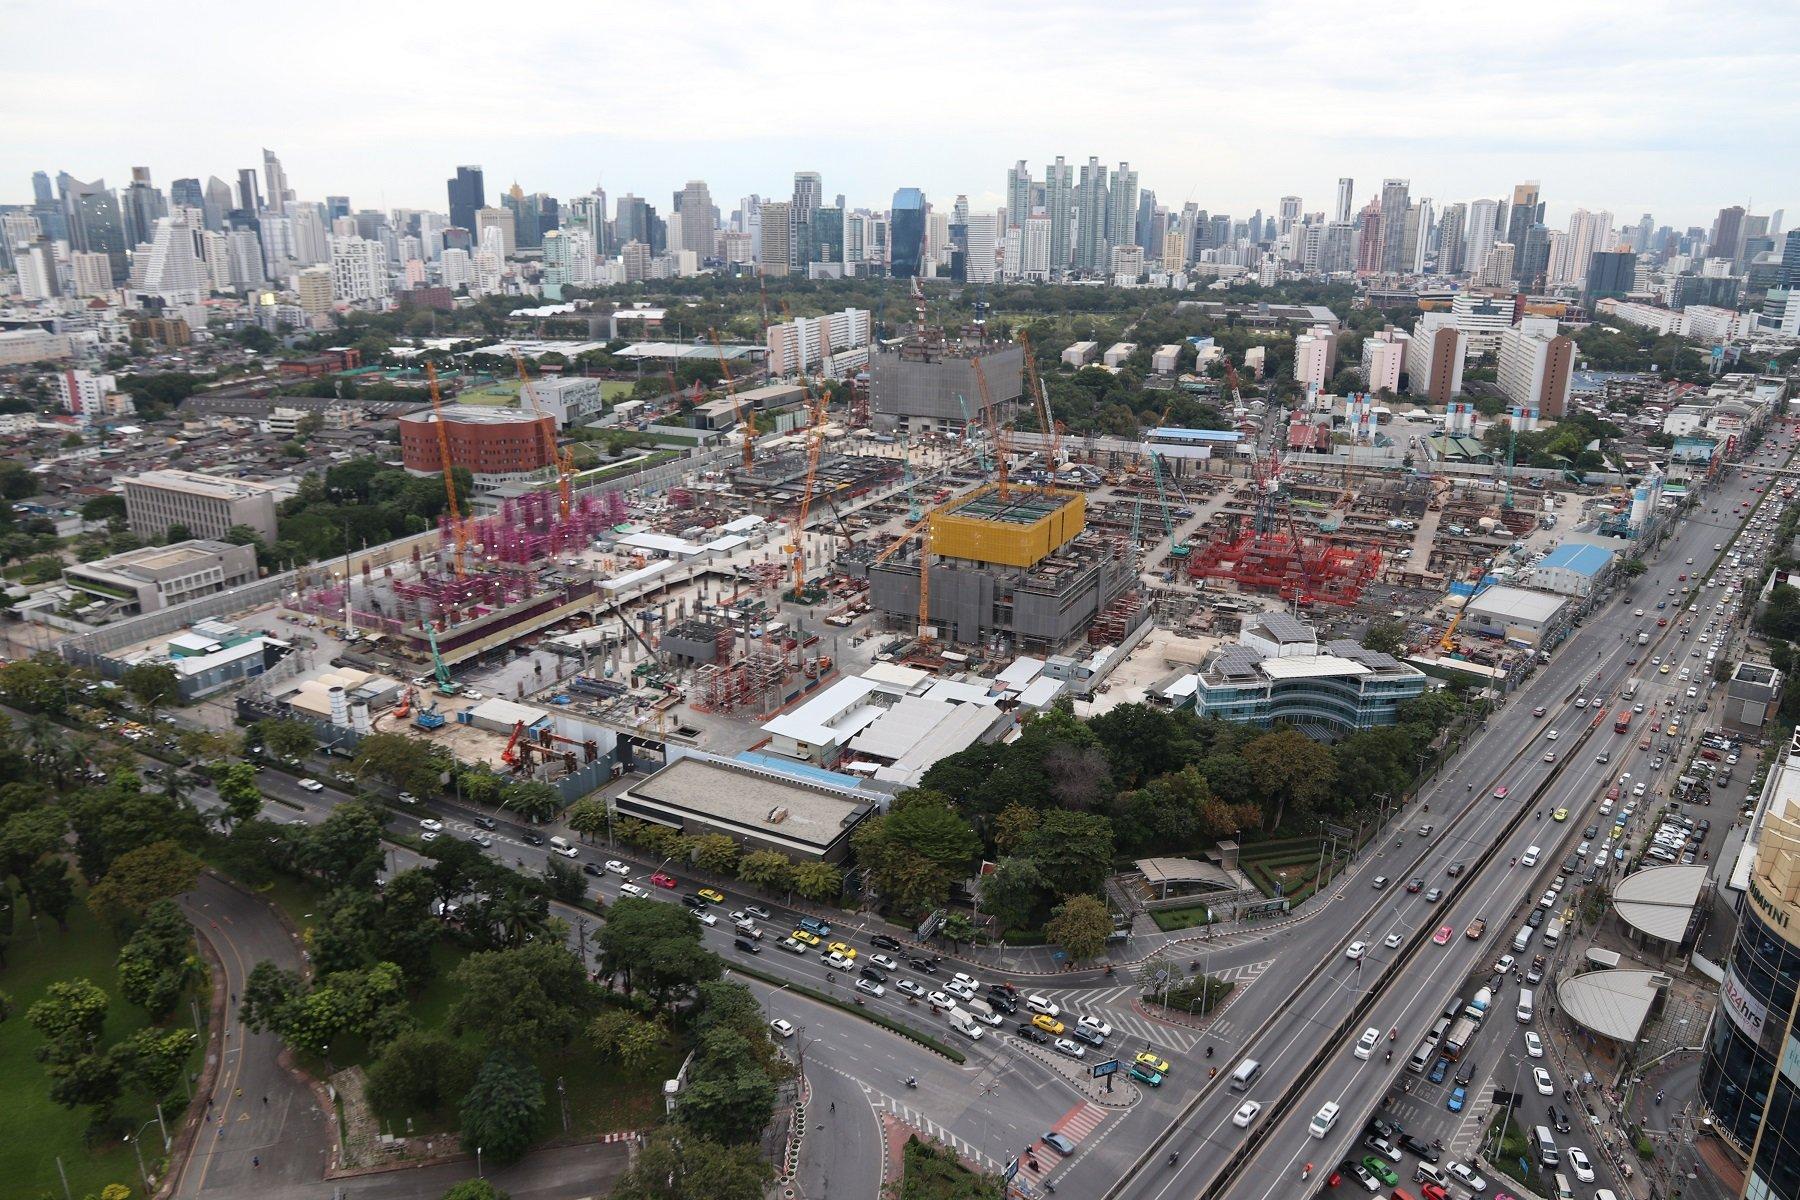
(631, 221)
(1727, 233)
(1018, 193)
(187, 193)
(697, 220)
(247, 197)
(1589, 233)
(1482, 234)
(1059, 195)
(143, 204)
(1394, 205)
(94, 223)
(275, 182)
(1121, 209)
(906, 233)
(1090, 218)
(1527, 210)
(773, 250)
(466, 196)
(1290, 215)
(1609, 273)
(1346, 200)
(809, 194)
(1450, 239)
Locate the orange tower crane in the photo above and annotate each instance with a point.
(563, 457)
(457, 528)
(1001, 449)
(1040, 399)
(921, 528)
(746, 415)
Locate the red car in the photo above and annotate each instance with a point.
(663, 881)
(1443, 935)
(1661, 621)
(1432, 1191)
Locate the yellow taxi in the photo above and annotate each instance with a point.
(842, 948)
(1048, 1024)
(712, 894)
(1561, 814)
(1150, 1060)
(810, 939)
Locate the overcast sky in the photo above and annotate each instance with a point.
(1671, 108)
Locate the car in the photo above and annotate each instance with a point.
(1561, 814)
(1379, 882)
(1415, 884)
(1433, 895)
(1466, 1176)
(1454, 869)
(1539, 710)
(1552, 736)
(537, 839)
(909, 987)
(429, 836)
(1058, 1142)
(693, 902)
(886, 962)
(311, 785)
(1002, 1001)
(1246, 1113)
(664, 881)
(1423, 1149)
(1392, 941)
(487, 823)
(1381, 1169)
(746, 945)
(782, 1026)
(1545, 1085)
(871, 972)
(1535, 974)
(1664, 669)
(1096, 1025)
(1147, 1059)
(884, 941)
(482, 840)
(870, 988)
(967, 981)
(940, 1001)
(1031, 1034)
(1578, 1162)
(1581, 702)
(1457, 1098)
(407, 798)
(1477, 927)
(1535, 917)
(961, 991)
(704, 917)
(613, 866)
(1044, 1022)
(591, 869)
(806, 937)
(1380, 1145)
(1501, 792)
(1534, 1046)
(1365, 1045)
(1071, 1048)
(1503, 965)
(431, 823)
(814, 925)
(926, 966)
(632, 889)
(755, 910)
(712, 894)
(1549, 756)
(1356, 950)
(1591, 832)
(1439, 1069)
(843, 948)
(1444, 934)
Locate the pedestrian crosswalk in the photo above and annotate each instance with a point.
(1113, 1005)
(929, 1127)
(1076, 1124)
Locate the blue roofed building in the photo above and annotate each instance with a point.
(1574, 569)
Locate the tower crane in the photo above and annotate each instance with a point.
(563, 457)
(922, 529)
(987, 408)
(457, 528)
(1040, 398)
(747, 416)
(797, 542)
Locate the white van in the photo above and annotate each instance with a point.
(1245, 1073)
(1427, 1173)
(1041, 1004)
(560, 845)
(1530, 857)
(1522, 938)
(1563, 1190)
(1524, 1011)
(1546, 1146)
(1553, 929)
(1324, 1119)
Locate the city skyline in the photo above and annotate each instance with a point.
(1579, 116)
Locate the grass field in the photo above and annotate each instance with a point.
(38, 1132)
(616, 389)
(1171, 919)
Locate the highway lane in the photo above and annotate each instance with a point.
(1435, 975)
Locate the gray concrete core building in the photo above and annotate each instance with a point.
(1752, 696)
(915, 387)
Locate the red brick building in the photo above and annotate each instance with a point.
(487, 441)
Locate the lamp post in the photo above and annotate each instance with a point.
(137, 1137)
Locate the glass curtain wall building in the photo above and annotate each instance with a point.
(906, 231)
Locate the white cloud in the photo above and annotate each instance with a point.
(1674, 108)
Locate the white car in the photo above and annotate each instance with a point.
(704, 917)
(1503, 965)
(885, 962)
(909, 987)
(1581, 702)
(1545, 1085)
(1465, 1175)
(1365, 1045)
(940, 1001)
(782, 1026)
(1071, 1048)
(960, 990)
(431, 823)
(615, 867)
(632, 889)
(407, 798)
(482, 840)
(428, 836)
(870, 988)
(1552, 736)
(566, 851)
(1392, 941)
(1246, 1113)
(1356, 950)
(1096, 1025)
(1578, 1162)
(968, 981)
(311, 785)
(1534, 1046)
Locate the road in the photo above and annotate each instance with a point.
(257, 1110)
(1509, 754)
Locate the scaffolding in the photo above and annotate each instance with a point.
(747, 684)
(1116, 620)
(1299, 570)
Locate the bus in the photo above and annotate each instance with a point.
(1622, 722)
(1631, 687)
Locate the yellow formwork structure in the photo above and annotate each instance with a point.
(1019, 529)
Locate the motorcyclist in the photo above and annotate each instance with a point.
(1513, 862)
(1174, 1157)
(1306, 1171)
(1209, 1052)
(1390, 1056)
(912, 1081)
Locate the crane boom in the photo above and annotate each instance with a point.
(797, 544)
(564, 459)
(1040, 399)
(458, 530)
(987, 408)
(746, 416)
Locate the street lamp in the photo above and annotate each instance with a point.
(137, 1137)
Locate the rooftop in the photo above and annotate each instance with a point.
(193, 482)
(1520, 603)
(157, 559)
(1584, 558)
(762, 802)
(1018, 507)
(477, 414)
(1172, 433)
(1614, 1004)
(1659, 901)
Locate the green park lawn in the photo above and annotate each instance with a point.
(38, 1132)
(616, 389)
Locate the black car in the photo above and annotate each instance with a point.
(884, 941)
(1002, 1001)
(530, 838)
(1536, 918)
(926, 965)
(1032, 1033)
(1384, 1129)
(1465, 1073)
(591, 869)
(486, 823)
(1423, 1149)
(693, 902)
(874, 973)
(746, 945)
(1083, 1033)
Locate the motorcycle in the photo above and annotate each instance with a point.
(1209, 1052)
(1390, 1056)
(1174, 1157)
(1306, 1171)
(912, 1082)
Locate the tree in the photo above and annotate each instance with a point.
(588, 817)
(138, 879)
(267, 991)
(104, 508)
(730, 1096)
(1290, 768)
(654, 948)
(1013, 892)
(152, 684)
(151, 1061)
(157, 961)
(532, 800)
(528, 998)
(769, 870)
(51, 892)
(1142, 742)
(1385, 636)
(625, 1037)
(716, 852)
(283, 738)
(420, 1071)
(1072, 850)
(1080, 925)
(71, 1014)
(237, 787)
(475, 1189)
(818, 881)
(694, 1169)
(562, 881)
(500, 1112)
(406, 763)
(1012, 825)
(345, 848)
